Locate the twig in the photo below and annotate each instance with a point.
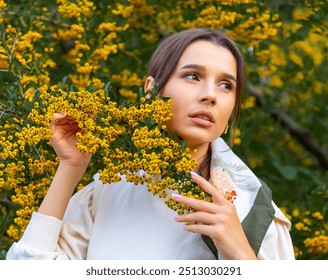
(6, 201)
(132, 55)
(304, 137)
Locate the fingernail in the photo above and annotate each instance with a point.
(176, 196)
(61, 114)
(185, 227)
(177, 217)
(194, 174)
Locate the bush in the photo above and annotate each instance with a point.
(88, 43)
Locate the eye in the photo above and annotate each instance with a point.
(225, 86)
(191, 76)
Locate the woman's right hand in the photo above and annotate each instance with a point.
(63, 140)
(71, 167)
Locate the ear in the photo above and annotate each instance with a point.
(149, 83)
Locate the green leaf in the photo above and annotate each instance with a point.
(165, 98)
(74, 88)
(35, 98)
(122, 104)
(184, 145)
(91, 88)
(64, 82)
(153, 126)
(7, 77)
(287, 171)
(107, 87)
(141, 92)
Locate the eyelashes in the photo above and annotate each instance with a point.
(192, 76)
(225, 86)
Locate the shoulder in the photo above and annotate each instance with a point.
(89, 197)
(277, 242)
(279, 216)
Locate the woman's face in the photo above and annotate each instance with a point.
(203, 90)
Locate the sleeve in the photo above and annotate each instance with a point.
(277, 243)
(48, 238)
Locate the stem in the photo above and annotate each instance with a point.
(13, 47)
(132, 55)
(4, 111)
(42, 162)
(5, 200)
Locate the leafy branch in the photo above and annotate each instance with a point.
(303, 136)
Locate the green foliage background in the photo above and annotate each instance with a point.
(283, 130)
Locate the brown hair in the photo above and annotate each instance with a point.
(168, 53)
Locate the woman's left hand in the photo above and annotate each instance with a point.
(218, 220)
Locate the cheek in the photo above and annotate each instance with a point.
(165, 91)
(178, 103)
(179, 112)
(229, 102)
(176, 115)
(224, 111)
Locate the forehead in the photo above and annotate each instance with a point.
(207, 53)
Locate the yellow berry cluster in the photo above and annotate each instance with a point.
(312, 227)
(129, 141)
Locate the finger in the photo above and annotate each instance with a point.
(199, 228)
(208, 187)
(62, 119)
(197, 217)
(196, 204)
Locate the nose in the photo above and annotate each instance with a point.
(208, 95)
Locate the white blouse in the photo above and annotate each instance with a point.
(123, 221)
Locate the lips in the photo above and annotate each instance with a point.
(204, 118)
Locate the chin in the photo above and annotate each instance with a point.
(195, 135)
(198, 138)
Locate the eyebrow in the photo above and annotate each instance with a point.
(193, 66)
(200, 67)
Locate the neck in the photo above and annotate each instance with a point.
(199, 153)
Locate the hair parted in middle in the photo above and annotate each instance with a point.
(165, 58)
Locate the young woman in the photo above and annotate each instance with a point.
(202, 72)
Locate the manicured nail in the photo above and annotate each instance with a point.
(176, 196)
(185, 227)
(177, 217)
(194, 174)
(61, 114)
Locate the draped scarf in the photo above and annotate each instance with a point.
(253, 201)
